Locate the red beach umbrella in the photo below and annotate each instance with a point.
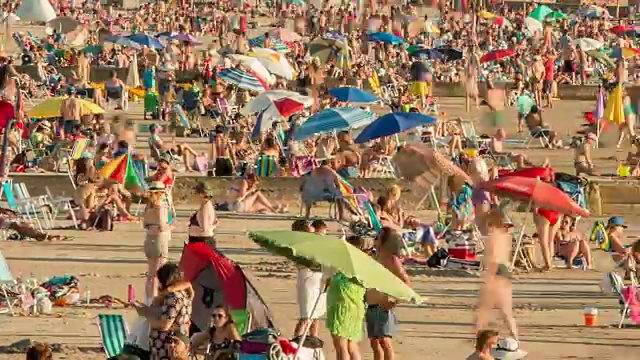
(543, 173)
(287, 107)
(621, 29)
(497, 55)
(537, 193)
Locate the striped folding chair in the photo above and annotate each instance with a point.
(266, 165)
(74, 154)
(113, 333)
(7, 281)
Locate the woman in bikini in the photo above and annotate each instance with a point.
(570, 244)
(582, 161)
(245, 197)
(203, 221)
(222, 336)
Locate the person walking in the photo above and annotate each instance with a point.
(158, 235)
(380, 316)
(202, 222)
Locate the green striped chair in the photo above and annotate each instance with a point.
(242, 320)
(113, 333)
(266, 165)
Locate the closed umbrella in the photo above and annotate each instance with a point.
(50, 108)
(267, 98)
(255, 66)
(133, 75)
(393, 123)
(587, 44)
(241, 79)
(62, 24)
(335, 119)
(353, 95)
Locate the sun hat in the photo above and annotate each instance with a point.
(507, 349)
(156, 186)
(616, 221)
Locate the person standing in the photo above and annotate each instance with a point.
(71, 112)
(156, 242)
(380, 318)
(497, 288)
(202, 223)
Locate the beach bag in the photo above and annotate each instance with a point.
(262, 336)
(201, 165)
(438, 259)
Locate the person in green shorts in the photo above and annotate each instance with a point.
(345, 311)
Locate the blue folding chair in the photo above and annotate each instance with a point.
(22, 209)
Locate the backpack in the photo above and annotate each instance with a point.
(438, 259)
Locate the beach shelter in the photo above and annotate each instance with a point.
(614, 111)
(36, 11)
(217, 280)
(122, 171)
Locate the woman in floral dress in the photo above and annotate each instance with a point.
(170, 314)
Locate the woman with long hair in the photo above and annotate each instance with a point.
(169, 315)
(244, 196)
(202, 222)
(221, 336)
(156, 242)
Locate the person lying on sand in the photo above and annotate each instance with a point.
(24, 230)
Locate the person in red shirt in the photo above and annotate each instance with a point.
(549, 73)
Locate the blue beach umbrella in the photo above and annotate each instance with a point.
(122, 41)
(393, 123)
(241, 79)
(336, 119)
(353, 95)
(146, 40)
(427, 54)
(385, 37)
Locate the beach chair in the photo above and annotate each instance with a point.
(6, 281)
(61, 203)
(24, 210)
(613, 285)
(266, 165)
(38, 204)
(469, 134)
(116, 96)
(432, 107)
(71, 155)
(113, 333)
(539, 134)
(242, 320)
(382, 168)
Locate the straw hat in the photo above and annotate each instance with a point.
(507, 349)
(156, 186)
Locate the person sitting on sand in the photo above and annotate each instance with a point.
(485, 341)
(615, 230)
(245, 197)
(496, 145)
(582, 161)
(571, 244)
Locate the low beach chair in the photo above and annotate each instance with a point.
(60, 203)
(266, 165)
(613, 285)
(6, 281)
(23, 210)
(113, 333)
(470, 135)
(382, 168)
(39, 205)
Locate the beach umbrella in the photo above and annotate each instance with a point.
(50, 108)
(417, 47)
(276, 44)
(621, 29)
(545, 174)
(497, 55)
(93, 49)
(486, 15)
(312, 250)
(122, 41)
(557, 15)
(540, 13)
(587, 44)
(276, 63)
(425, 167)
(241, 79)
(36, 11)
(393, 123)
(334, 119)
(298, 3)
(285, 34)
(255, 66)
(146, 40)
(282, 108)
(166, 34)
(62, 24)
(594, 11)
(353, 95)
(623, 53)
(614, 111)
(450, 53)
(122, 171)
(430, 54)
(323, 48)
(602, 58)
(501, 21)
(267, 98)
(535, 192)
(385, 37)
(187, 38)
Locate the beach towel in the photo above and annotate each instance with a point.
(599, 235)
(630, 294)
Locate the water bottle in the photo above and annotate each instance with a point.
(88, 295)
(131, 294)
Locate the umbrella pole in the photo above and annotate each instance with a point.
(520, 236)
(303, 337)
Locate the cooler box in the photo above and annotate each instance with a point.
(461, 246)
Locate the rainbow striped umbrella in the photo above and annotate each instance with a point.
(122, 171)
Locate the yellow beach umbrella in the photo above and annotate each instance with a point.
(486, 14)
(50, 108)
(614, 111)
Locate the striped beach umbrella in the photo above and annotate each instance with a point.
(298, 3)
(241, 79)
(276, 44)
(336, 119)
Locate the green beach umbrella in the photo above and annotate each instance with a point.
(541, 12)
(413, 48)
(93, 49)
(309, 249)
(602, 58)
(557, 15)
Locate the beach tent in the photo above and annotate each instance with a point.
(36, 11)
(217, 280)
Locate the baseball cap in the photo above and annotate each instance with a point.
(616, 221)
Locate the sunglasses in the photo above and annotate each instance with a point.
(218, 316)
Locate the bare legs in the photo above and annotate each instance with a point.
(496, 292)
(543, 230)
(345, 349)
(455, 144)
(303, 323)
(187, 152)
(151, 285)
(382, 348)
(257, 202)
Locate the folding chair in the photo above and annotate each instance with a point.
(612, 284)
(469, 132)
(7, 280)
(116, 96)
(24, 210)
(383, 168)
(541, 135)
(113, 333)
(242, 320)
(73, 154)
(266, 165)
(37, 204)
(432, 107)
(61, 203)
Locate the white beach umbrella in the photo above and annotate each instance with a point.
(587, 44)
(255, 66)
(266, 99)
(36, 11)
(275, 62)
